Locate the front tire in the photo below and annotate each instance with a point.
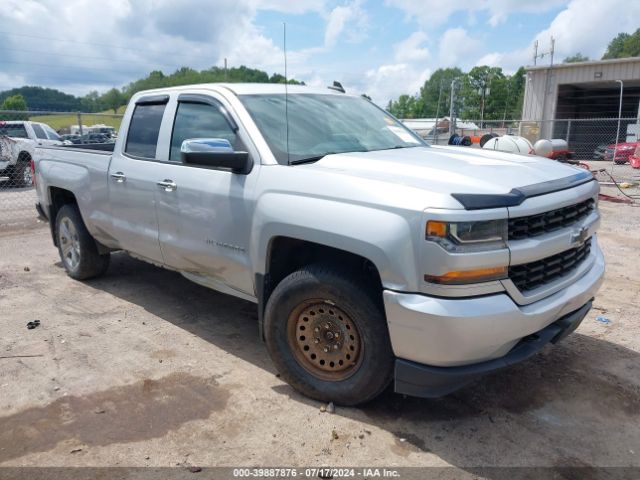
(77, 248)
(328, 336)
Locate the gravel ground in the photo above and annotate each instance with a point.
(144, 368)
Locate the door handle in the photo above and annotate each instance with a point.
(119, 177)
(167, 185)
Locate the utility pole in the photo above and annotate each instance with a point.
(452, 120)
(435, 127)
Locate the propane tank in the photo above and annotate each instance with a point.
(509, 143)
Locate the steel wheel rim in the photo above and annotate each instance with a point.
(325, 341)
(69, 243)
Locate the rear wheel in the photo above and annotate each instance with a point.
(77, 248)
(22, 175)
(328, 336)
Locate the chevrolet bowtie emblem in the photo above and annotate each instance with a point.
(579, 237)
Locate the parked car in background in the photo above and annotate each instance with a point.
(598, 153)
(70, 138)
(634, 159)
(91, 138)
(622, 152)
(19, 139)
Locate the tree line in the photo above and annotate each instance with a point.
(39, 98)
(483, 92)
(487, 92)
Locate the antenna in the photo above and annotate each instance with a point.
(286, 87)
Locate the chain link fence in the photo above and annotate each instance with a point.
(21, 134)
(587, 138)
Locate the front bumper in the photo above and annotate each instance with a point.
(450, 333)
(426, 381)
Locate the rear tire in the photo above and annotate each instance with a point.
(328, 337)
(77, 248)
(22, 176)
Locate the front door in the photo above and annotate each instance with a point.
(205, 214)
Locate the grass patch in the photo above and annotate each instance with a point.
(65, 120)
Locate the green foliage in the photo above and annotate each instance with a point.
(39, 98)
(623, 46)
(14, 102)
(578, 57)
(113, 99)
(501, 95)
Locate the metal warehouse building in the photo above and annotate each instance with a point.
(580, 101)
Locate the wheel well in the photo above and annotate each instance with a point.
(59, 198)
(286, 255)
(24, 156)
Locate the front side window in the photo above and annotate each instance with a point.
(51, 133)
(321, 124)
(39, 131)
(200, 120)
(142, 138)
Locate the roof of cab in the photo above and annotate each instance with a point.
(248, 88)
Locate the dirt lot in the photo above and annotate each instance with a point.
(142, 367)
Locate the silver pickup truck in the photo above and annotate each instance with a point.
(372, 257)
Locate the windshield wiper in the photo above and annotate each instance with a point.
(299, 161)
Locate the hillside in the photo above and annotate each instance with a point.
(39, 98)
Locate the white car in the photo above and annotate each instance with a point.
(18, 140)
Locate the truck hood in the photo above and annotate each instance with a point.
(448, 170)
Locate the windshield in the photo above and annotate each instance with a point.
(321, 124)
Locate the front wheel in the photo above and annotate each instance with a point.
(328, 336)
(77, 248)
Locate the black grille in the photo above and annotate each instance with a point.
(531, 275)
(534, 225)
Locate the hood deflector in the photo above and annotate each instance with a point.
(478, 201)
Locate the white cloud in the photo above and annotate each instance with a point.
(458, 48)
(390, 81)
(573, 33)
(340, 17)
(412, 49)
(430, 13)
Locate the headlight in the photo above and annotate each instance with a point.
(459, 237)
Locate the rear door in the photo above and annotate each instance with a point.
(133, 173)
(205, 214)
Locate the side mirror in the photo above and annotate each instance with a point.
(215, 152)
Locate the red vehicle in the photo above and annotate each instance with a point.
(622, 151)
(634, 159)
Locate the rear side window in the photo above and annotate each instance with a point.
(39, 131)
(199, 120)
(142, 138)
(15, 130)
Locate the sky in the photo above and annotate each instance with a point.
(381, 48)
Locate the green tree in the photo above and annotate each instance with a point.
(435, 94)
(113, 99)
(578, 57)
(624, 45)
(405, 107)
(14, 102)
